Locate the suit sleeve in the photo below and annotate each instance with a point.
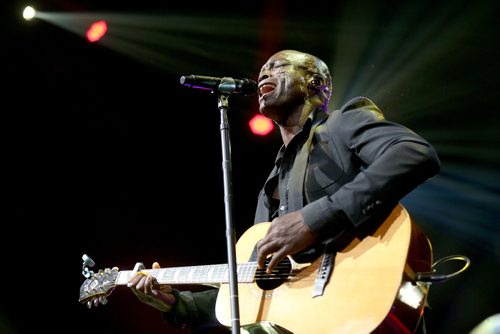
(195, 311)
(394, 160)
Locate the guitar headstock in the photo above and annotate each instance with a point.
(98, 287)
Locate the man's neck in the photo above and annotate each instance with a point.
(294, 123)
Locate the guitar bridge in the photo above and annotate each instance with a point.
(324, 272)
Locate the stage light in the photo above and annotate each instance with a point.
(29, 13)
(97, 30)
(261, 125)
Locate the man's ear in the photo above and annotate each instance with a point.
(314, 83)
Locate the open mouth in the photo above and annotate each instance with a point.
(266, 88)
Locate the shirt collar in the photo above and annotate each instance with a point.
(316, 116)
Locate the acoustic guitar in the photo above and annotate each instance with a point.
(367, 287)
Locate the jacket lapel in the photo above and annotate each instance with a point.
(297, 174)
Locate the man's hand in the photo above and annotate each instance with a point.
(148, 291)
(287, 235)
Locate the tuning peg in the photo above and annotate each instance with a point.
(96, 302)
(87, 261)
(89, 304)
(103, 300)
(86, 272)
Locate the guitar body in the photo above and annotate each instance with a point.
(359, 298)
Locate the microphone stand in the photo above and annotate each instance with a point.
(228, 196)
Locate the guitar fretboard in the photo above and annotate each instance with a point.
(207, 274)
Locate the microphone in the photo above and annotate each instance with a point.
(224, 85)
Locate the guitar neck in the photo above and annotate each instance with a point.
(206, 274)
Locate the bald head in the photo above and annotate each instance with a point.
(314, 70)
(308, 61)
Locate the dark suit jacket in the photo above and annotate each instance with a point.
(358, 164)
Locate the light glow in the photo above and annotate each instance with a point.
(97, 30)
(261, 125)
(29, 13)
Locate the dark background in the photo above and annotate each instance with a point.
(106, 154)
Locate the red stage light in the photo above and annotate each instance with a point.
(96, 31)
(261, 125)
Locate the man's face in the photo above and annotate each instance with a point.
(283, 83)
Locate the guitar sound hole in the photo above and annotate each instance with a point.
(280, 274)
